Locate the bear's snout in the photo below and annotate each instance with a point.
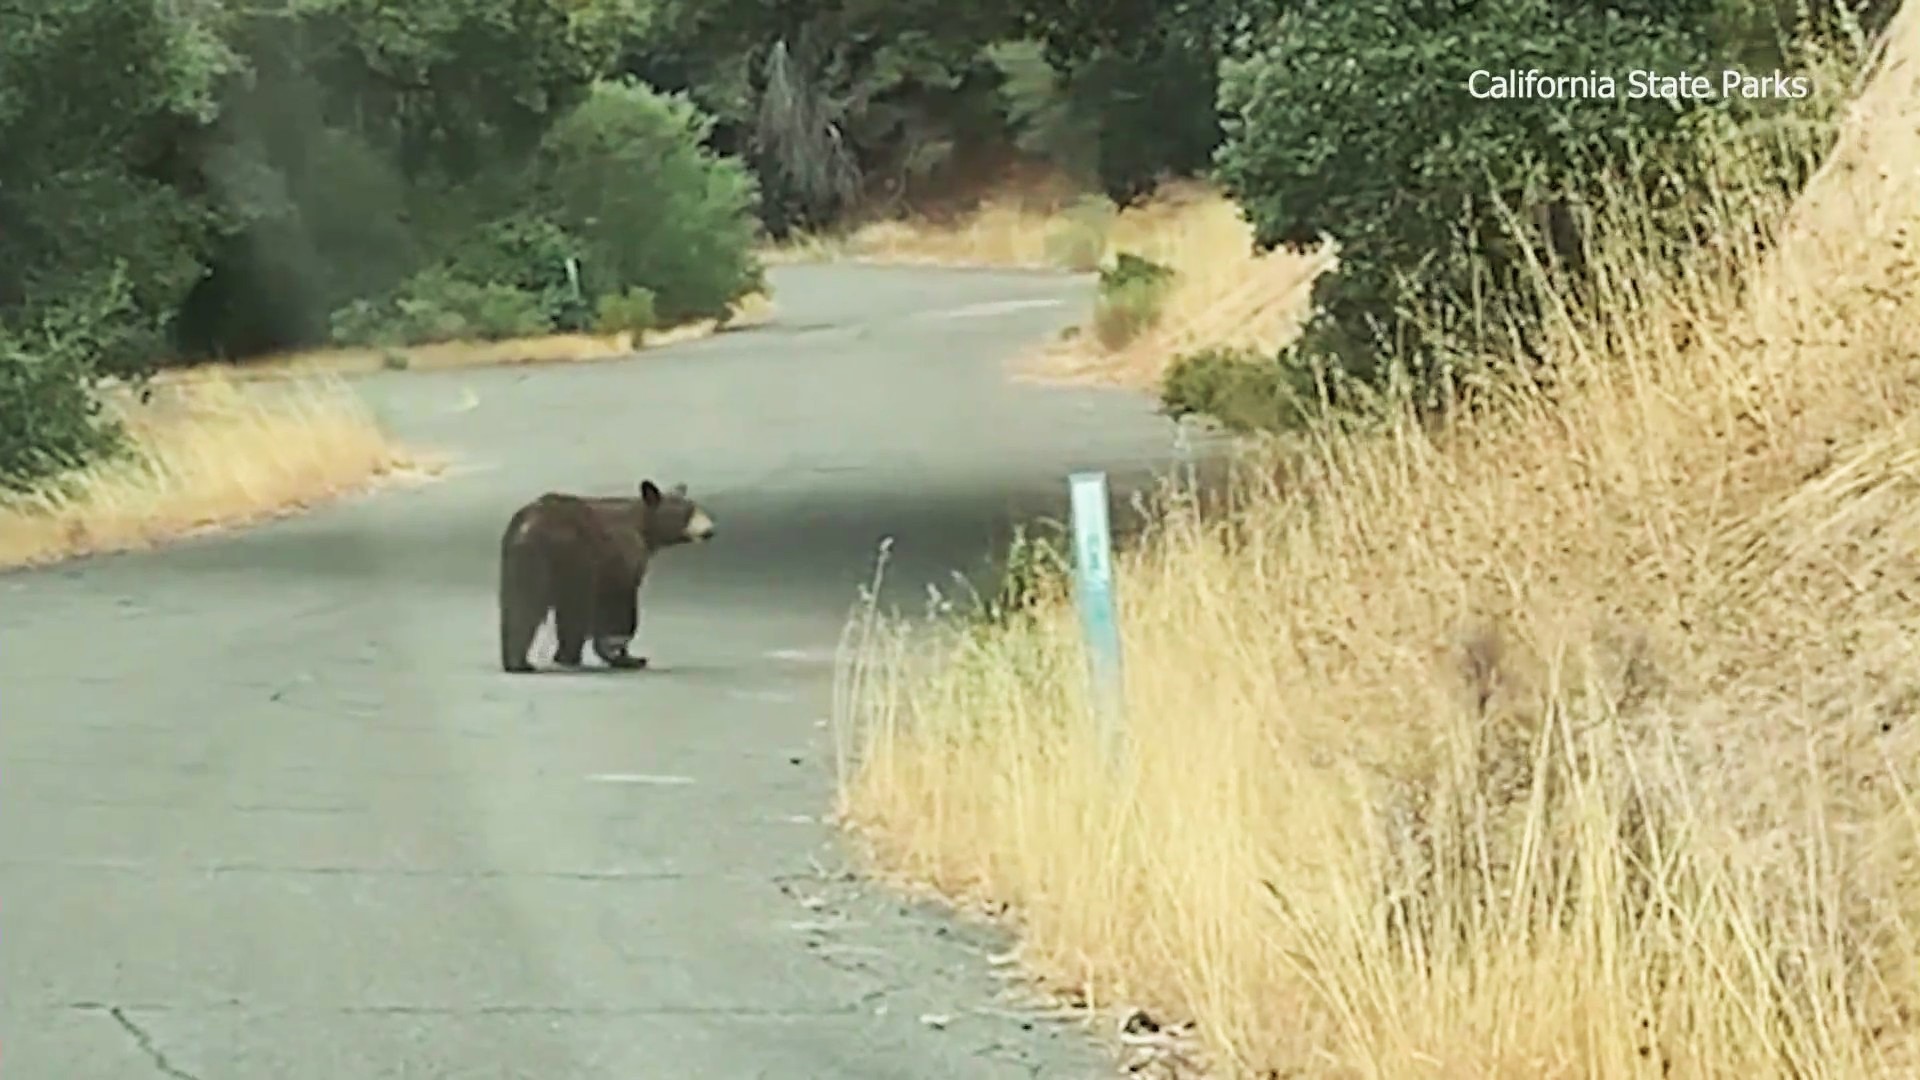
(700, 527)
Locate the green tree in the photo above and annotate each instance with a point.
(87, 202)
(1320, 139)
(1136, 82)
(97, 244)
(832, 102)
(628, 173)
(367, 141)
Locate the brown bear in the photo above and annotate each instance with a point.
(583, 558)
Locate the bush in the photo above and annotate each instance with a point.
(417, 320)
(530, 253)
(1242, 390)
(436, 305)
(630, 312)
(1036, 570)
(362, 323)
(498, 312)
(627, 172)
(54, 421)
(1318, 140)
(93, 96)
(1132, 292)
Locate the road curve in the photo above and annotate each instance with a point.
(269, 809)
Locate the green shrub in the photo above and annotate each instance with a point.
(631, 312)
(1242, 390)
(1036, 569)
(627, 172)
(530, 253)
(1130, 270)
(95, 95)
(1318, 139)
(498, 312)
(419, 320)
(53, 419)
(362, 323)
(1133, 292)
(436, 305)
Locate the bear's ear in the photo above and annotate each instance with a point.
(649, 493)
(680, 490)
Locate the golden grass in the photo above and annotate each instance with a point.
(1033, 220)
(1578, 740)
(1224, 293)
(751, 310)
(213, 450)
(207, 452)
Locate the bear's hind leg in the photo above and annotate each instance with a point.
(572, 619)
(524, 604)
(517, 631)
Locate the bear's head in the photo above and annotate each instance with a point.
(672, 517)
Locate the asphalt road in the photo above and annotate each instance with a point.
(269, 809)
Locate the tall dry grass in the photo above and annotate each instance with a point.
(1224, 293)
(1578, 740)
(1032, 218)
(207, 451)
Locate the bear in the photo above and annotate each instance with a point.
(583, 559)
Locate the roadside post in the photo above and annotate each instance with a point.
(1093, 594)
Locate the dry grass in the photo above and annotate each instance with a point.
(212, 449)
(208, 452)
(1034, 219)
(1575, 741)
(1224, 293)
(546, 349)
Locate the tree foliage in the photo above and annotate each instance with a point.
(1320, 140)
(835, 102)
(215, 178)
(224, 179)
(628, 174)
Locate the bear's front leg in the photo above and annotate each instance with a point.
(612, 651)
(616, 620)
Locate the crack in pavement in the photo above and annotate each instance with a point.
(145, 1042)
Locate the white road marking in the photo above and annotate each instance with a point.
(997, 307)
(803, 656)
(637, 778)
(779, 696)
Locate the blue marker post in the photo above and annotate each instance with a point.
(1093, 592)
